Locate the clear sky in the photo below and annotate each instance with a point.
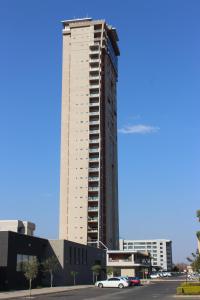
(158, 114)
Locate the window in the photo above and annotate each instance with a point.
(70, 255)
(21, 259)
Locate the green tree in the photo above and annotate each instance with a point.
(30, 269)
(109, 271)
(194, 261)
(50, 265)
(73, 274)
(198, 214)
(96, 270)
(196, 264)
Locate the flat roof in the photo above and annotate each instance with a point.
(76, 20)
(127, 252)
(153, 240)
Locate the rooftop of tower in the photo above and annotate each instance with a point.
(87, 21)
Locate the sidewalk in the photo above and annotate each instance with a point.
(42, 291)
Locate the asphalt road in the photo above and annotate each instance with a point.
(159, 291)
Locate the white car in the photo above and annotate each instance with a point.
(112, 282)
(154, 276)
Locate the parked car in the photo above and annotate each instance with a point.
(134, 280)
(113, 282)
(154, 276)
(125, 278)
(167, 274)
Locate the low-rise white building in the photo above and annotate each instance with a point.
(159, 249)
(128, 263)
(23, 227)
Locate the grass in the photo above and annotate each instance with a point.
(190, 288)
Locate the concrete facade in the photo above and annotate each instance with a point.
(88, 179)
(128, 263)
(79, 258)
(23, 227)
(160, 250)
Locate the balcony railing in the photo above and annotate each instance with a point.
(93, 199)
(94, 86)
(94, 113)
(95, 69)
(93, 208)
(93, 219)
(93, 150)
(95, 95)
(94, 77)
(92, 230)
(94, 131)
(93, 169)
(120, 260)
(93, 188)
(93, 159)
(93, 178)
(95, 60)
(94, 122)
(94, 141)
(94, 104)
(96, 51)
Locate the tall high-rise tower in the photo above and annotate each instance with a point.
(89, 180)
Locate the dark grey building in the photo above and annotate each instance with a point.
(17, 248)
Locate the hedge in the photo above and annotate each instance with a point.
(188, 290)
(190, 284)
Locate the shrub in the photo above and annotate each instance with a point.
(190, 284)
(188, 290)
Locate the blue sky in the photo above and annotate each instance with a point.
(158, 114)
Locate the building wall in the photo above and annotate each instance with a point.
(128, 272)
(71, 257)
(78, 258)
(75, 135)
(12, 244)
(19, 226)
(78, 93)
(160, 250)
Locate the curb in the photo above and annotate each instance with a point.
(186, 296)
(38, 292)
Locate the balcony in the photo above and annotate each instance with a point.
(95, 51)
(92, 219)
(94, 131)
(93, 178)
(93, 159)
(93, 208)
(93, 188)
(95, 150)
(94, 61)
(94, 113)
(94, 141)
(91, 199)
(96, 122)
(93, 230)
(97, 30)
(94, 95)
(93, 243)
(94, 104)
(94, 169)
(94, 77)
(94, 86)
(95, 69)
